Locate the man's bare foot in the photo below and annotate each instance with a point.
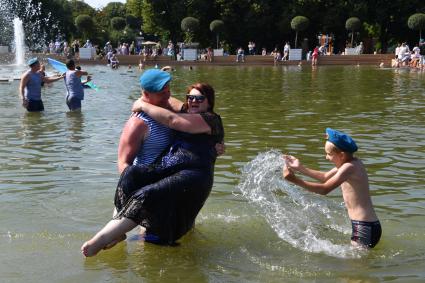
(114, 242)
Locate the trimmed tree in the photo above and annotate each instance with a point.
(189, 25)
(84, 24)
(216, 27)
(417, 22)
(299, 23)
(353, 24)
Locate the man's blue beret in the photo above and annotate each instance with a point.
(154, 80)
(32, 61)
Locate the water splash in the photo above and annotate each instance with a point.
(35, 21)
(306, 221)
(19, 41)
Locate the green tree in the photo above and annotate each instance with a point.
(417, 22)
(189, 25)
(114, 9)
(79, 7)
(118, 23)
(353, 24)
(133, 22)
(84, 24)
(162, 18)
(216, 27)
(134, 8)
(299, 23)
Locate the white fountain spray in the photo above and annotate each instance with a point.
(19, 37)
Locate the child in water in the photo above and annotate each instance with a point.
(351, 175)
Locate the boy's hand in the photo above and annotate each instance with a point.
(291, 162)
(288, 174)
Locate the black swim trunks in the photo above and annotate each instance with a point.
(35, 106)
(366, 233)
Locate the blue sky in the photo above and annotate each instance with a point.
(101, 3)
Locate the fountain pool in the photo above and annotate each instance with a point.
(58, 176)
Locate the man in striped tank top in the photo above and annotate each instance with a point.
(143, 139)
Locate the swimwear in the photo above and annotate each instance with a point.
(73, 102)
(366, 233)
(35, 106)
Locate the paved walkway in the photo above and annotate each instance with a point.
(365, 59)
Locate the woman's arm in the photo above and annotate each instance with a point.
(189, 123)
(175, 104)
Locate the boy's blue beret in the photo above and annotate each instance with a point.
(341, 140)
(154, 80)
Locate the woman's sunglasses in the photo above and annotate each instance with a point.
(198, 98)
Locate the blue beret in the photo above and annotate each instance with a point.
(154, 80)
(32, 61)
(341, 140)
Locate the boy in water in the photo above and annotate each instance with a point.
(351, 175)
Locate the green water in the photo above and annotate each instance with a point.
(58, 176)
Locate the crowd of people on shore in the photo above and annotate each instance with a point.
(404, 56)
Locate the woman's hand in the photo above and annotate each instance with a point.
(138, 105)
(220, 148)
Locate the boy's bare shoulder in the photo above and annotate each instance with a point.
(352, 166)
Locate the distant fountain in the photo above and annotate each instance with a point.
(19, 40)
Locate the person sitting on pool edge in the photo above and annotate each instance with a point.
(351, 175)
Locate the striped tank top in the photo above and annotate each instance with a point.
(158, 139)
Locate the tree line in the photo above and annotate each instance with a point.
(379, 24)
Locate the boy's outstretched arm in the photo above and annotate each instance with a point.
(319, 188)
(295, 165)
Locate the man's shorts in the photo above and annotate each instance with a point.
(366, 233)
(73, 103)
(35, 106)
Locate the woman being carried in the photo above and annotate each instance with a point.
(165, 198)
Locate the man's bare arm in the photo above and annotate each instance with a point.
(23, 83)
(132, 136)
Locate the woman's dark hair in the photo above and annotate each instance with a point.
(207, 90)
